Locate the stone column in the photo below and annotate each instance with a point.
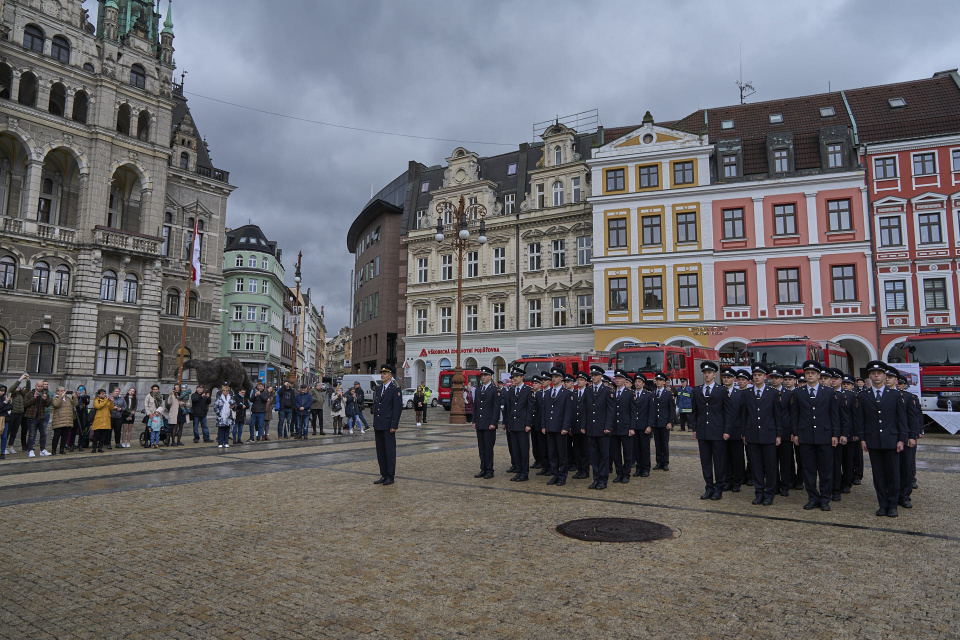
(15, 86)
(812, 222)
(68, 105)
(148, 340)
(758, 226)
(816, 288)
(762, 304)
(82, 347)
(31, 194)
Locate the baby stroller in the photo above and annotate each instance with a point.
(164, 435)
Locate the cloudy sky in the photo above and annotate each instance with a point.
(485, 71)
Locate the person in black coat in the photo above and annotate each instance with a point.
(834, 379)
(599, 425)
(663, 415)
(578, 435)
(762, 433)
(486, 413)
(733, 444)
(850, 406)
(710, 414)
(621, 438)
(555, 426)
(908, 457)
(881, 425)
(642, 423)
(387, 407)
(816, 431)
(517, 422)
(538, 444)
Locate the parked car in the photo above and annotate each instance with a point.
(407, 396)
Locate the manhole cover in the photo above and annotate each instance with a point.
(615, 530)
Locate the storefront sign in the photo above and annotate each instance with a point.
(446, 352)
(708, 331)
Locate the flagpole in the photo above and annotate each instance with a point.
(186, 302)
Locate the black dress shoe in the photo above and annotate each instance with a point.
(381, 480)
(618, 480)
(825, 506)
(636, 474)
(906, 504)
(553, 480)
(657, 467)
(706, 495)
(522, 478)
(835, 497)
(601, 486)
(536, 465)
(857, 481)
(881, 513)
(593, 485)
(797, 486)
(543, 472)
(785, 492)
(388, 481)
(561, 482)
(488, 475)
(913, 484)
(845, 489)
(735, 488)
(626, 479)
(717, 495)
(892, 513)
(479, 475)
(767, 502)
(666, 466)
(810, 505)
(757, 500)
(644, 474)
(512, 469)
(581, 476)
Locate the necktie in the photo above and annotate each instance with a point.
(659, 392)
(706, 389)
(878, 394)
(518, 391)
(758, 393)
(554, 393)
(812, 393)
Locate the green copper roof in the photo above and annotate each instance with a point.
(113, 3)
(168, 23)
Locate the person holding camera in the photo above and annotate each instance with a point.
(61, 420)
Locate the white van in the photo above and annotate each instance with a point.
(368, 382)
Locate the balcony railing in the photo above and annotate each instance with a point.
(116, 239)
(34, 229)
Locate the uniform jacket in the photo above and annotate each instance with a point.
(662, 409)
(710, 412)
(103, 407)
(882, 424)
(914, 415)
(643, 410)
(786, 410)
(578, 410)
(848, 409)
(517, 408)
(599, 408)
(537, 400)
(623, 421)
(62, 415)
(486, 407)
(557, 410)
(762, 423)
(387, 407)
(735, 417)
(816, 420)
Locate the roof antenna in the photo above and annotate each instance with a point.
(746, 88)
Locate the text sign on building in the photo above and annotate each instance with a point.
(446, 352)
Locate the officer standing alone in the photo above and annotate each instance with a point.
(486, 413)
(387, 406)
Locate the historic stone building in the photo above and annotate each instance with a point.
(103, 174)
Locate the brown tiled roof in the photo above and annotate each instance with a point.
(611, 134)
(932, 109)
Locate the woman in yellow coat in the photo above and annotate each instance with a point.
(101, 427)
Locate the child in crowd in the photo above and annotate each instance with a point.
(155, 423)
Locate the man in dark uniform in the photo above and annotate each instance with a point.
(882, 429)
(621, 440)
(642, 406)
(662, 418)
(387, 406)
(745, 383)
(833, 378)
(733, 444)
(537, 440)
(790, 389)
(517, 421)
(908, 457)
(816, 431)
(486, 412)
(762, 433)
(503, 389)
(555, 427)
(599, 424)
(711, 407)
(581, 455)
(851, 405)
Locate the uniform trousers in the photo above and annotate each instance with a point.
(886, 476)
(858, 462)
(581, 455)
(621, 450)
(785, 462)
(386, 452)
(713, 463)
(817, 461)
(838, 469)
(519, 443)
(539, 442)
(641, 450)
(557, 454)
(599, 457)
(763, 464)
(908, 470)
(735, 469)
(799, 476)
(849, 463)
(661, 438)
(486, 438)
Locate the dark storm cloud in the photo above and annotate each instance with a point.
(487, 71)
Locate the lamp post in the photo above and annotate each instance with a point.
(462, 218)
(296, 322)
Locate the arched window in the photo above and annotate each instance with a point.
(557, 155)
(108, 285)
(138, 77)
(28, 90)
(58, 99)
(143, 126)
(131, 288)
(200, 225)
(61, 281)
(60, 49)
(33, 38)
(41, 352)
(6, 81)
(41, 277)
(173, 302)
(193, 306)
(185, 161)
(112, 355)
(8, 273)
(89, 68)
(239, 261)
(444, 363)
(123, 119)
(252, 262)
(557, 193)
(80, 106)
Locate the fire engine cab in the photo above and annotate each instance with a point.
(676, 362)
(937, 351)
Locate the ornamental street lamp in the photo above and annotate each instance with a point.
(463, 219)
(297, 310)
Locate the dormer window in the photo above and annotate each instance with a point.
(827, 112)
(897, 103)
(424, 187)
(512, 169)
(557, 155)
(726, 124)
(781, 160)
(776, 118)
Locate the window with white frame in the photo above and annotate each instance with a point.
(533, 313)
(557, 193)
(249, 342)
(263, 343)
(421, 219)
(955, 159)
(730, 166)
(264, 289)
(585, 308)
(557, 155)
(421, 321)
(895, 295)
(499, 316)
(540, 196)
(584, 250)
(834, 155)
(533, 256)
(575, 190)
(446, 320)
(264, 313)
(239, 261)
(252, 262)
(239, 288)
(884, 168)
(238, 312)
(499, 261)
(251, 313)
(509, 202)
(559, 254)
(446, 266)
(264, 264)
(838, 215)
(890, 232)
(252, 285)
(236, 341)
(470, 314)
(929, 224)
(559, 312)
(423, 265)
(924, 164)
(473, 264)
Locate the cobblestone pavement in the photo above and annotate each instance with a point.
(292, 540)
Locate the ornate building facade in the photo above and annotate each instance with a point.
(103, 175)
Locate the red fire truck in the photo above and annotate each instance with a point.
(571, 363)
(937, 351)
(790, 352)
(445, 383)
(676, 362)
